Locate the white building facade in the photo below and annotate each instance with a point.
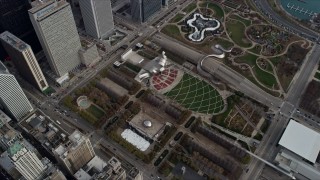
(56, 29)
(13, 101)
(26, 162)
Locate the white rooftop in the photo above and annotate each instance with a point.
(301, 140)
(135, 139)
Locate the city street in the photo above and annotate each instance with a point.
(284, 109)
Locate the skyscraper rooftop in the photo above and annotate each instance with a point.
(14, 41)
(14, 149)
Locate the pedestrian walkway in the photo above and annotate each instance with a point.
(241, 137)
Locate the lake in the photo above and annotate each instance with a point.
(310, 5)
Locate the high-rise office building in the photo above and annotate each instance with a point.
(26, 161)
(142, 10)
(13, 101)
(76, 153)
(56, 29)
(24, 60)
(168, 2)
(14, 18)
(97, 17)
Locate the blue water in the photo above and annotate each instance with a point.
(310, 5)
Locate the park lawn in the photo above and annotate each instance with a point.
(256, 49)
(217, 9)
(224, 43)
(172, 31)
(236, 32)
(95, 111)
(244, 21)
(196, 95)
(269, 68)
(247, 58)
(317, 76)
(177, 18)
(265, 78)
(190, 8)
(249, 76)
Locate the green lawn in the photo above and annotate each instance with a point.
(247, 58)
(196, 95)
(190, 8)
(172, 31)
(236, 32)
(317, 76)
(224, 43)
(244, 21)
(256, 49)
(264, 77)
(217, 9)
(95, 111)
(269, 68)
(177, 18)
(48, 91)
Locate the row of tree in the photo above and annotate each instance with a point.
(226, 163)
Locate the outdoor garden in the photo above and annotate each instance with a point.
(269, 56)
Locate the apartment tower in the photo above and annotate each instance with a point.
(97, 17)
(13, 101)
(26, 161)
(76, 153)
(24, 60)
(56, 29)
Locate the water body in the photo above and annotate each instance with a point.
(310, 5)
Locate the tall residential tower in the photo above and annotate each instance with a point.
(56, 29)
(26, 161)
(13, 101)
(24, 60)
(76, 153)
(97, 17)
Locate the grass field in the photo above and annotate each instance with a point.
(218, 11)
(247, 58)
(264, 77)
(177, 18)
(196, 95)
(224, 43)
(172, 30)
(256, 49)
(190, 8)
(236, 31)
(244, 21)
(96, 112)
